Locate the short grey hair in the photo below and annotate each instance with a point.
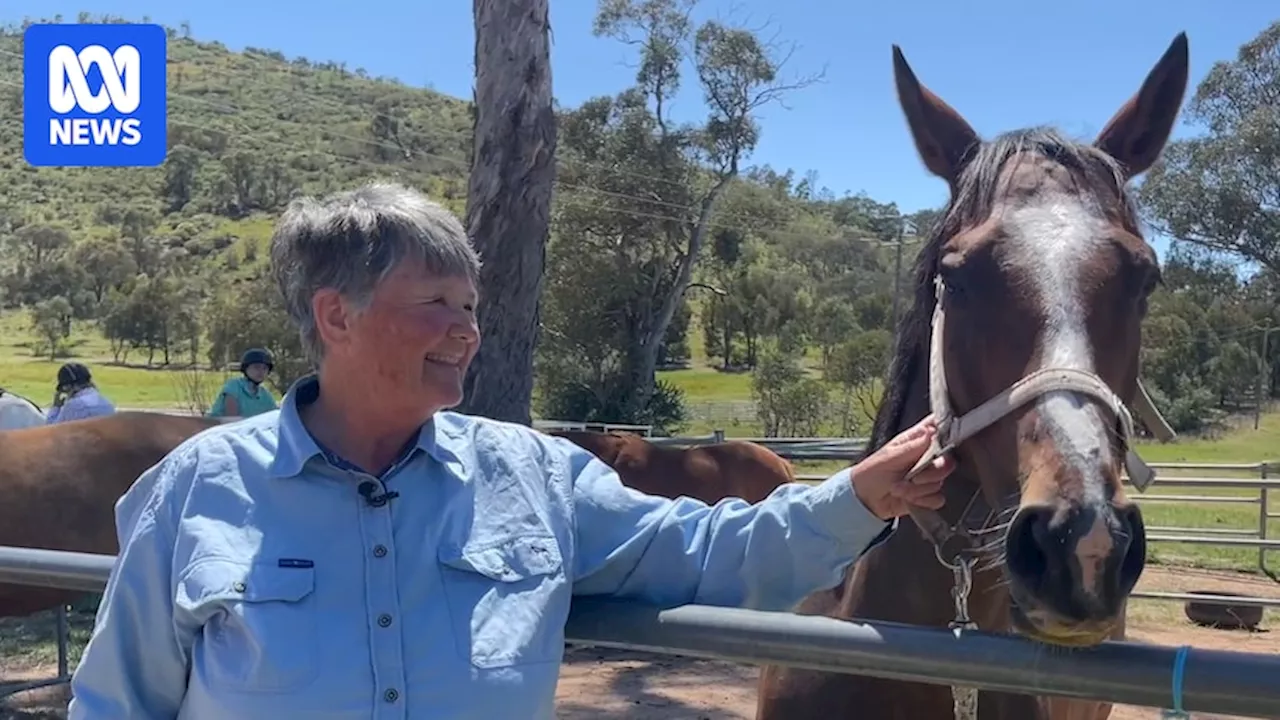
(351, 241)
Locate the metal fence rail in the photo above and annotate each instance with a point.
(1132, 673)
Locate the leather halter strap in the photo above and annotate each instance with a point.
(951, 541)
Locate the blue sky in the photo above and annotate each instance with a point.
(1001, 63)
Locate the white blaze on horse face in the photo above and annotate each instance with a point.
(1055, 237)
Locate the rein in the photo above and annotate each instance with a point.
(955, 546)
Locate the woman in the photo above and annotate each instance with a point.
(246, 396)
(367, 553)
(76, 397)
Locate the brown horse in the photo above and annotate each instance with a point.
(708, 473)
(60, 484)
(1023, 339)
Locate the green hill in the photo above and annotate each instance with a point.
(246, 130)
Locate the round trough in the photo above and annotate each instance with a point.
(1222, 616)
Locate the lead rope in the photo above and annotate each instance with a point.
(964, 699)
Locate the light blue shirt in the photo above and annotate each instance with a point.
(254, 582)
(85, 404)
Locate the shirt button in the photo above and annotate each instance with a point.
(379, 551)
(391, 695)
(384, 620)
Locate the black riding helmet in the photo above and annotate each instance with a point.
(73, 373)
(256, 355)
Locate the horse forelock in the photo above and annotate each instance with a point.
(1097, 180)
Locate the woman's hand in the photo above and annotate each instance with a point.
(878, 479)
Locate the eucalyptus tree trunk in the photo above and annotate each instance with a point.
(509, 199)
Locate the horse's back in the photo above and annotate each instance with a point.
(709, 473)
(604, 446)
(755, 469)
(735, 468)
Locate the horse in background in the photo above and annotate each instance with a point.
(709, 473)
(60, 484)
(1023, 339)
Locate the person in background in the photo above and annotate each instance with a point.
(18, 412)
(76, 397)
(245, 396)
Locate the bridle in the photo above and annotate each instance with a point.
(955, 546)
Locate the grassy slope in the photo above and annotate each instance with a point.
(225, 102)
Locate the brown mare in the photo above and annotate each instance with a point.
(1041, 273)
(60, 483)
(708, 473)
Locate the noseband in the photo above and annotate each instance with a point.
(954, 545)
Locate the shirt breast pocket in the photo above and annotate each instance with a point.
(508, 599)
(261, 630)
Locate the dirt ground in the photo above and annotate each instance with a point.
(598, 683)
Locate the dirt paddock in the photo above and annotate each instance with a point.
(597, 683)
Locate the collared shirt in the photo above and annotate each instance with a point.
(251, 399)
(18, 412)
(255, 582)
(84, 404)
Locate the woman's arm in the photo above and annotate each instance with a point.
(231, 406)
(135, 664)
(766, 556)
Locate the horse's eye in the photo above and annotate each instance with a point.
(1149, 284)
(952, 282)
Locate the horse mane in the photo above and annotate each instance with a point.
(973, 198)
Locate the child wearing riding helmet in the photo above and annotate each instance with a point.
(76, 397)
(245, 396)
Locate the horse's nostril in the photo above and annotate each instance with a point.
(1025, 555)
(1135, 556)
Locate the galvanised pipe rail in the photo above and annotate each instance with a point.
(1132, 673)
(1230, 483)
(1250, 542)
(59, 569)
(1209, 598)
(1118, 672)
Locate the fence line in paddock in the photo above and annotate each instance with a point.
(851, 449)
(1255, 537)
(1212, 681)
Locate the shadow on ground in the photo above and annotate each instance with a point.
(648, 686)
(42, 704)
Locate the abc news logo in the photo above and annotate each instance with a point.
(69, 89)
(94, 95)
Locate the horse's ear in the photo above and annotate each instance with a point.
(1136, 135)
(942, 137)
